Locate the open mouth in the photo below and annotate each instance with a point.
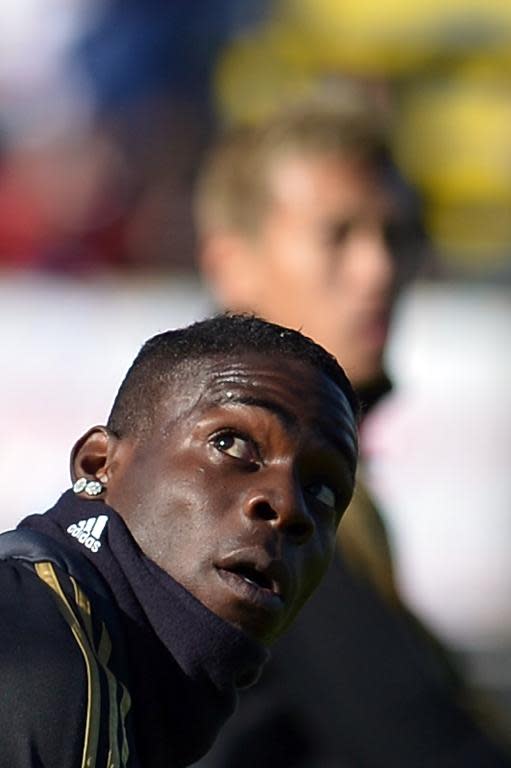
(254, 578)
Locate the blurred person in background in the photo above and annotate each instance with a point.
(304, 220)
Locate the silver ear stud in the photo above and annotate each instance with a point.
(91, 487)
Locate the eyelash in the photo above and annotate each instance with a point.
(237, 435)
(255, 461)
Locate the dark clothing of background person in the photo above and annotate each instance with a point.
(105, 660)
(356, 682)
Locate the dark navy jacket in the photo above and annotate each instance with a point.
(104, 659)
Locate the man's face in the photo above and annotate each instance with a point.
(321, 261)
(238, 490)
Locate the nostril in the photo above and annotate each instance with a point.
(292, 519)
(264, 511)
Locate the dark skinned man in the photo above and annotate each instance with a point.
(201, 518)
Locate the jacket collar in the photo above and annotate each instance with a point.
(214, 658)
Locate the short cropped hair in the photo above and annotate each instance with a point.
(164, 359)
(233, 190)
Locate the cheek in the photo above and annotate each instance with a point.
(127, 493)
(291, 253)
(195, 505)
(324, 554)
(162, 509)
(294, 285)
(312, 569)
(308, 275)
(302, 263)
(316, 560)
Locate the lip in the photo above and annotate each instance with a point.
(257, 578)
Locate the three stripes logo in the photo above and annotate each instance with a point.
(88, 532)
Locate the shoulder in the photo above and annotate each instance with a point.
(45, 665)
(28, 607)
(36, 637)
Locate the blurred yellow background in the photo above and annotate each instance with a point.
(440, 70)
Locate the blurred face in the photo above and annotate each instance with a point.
(321, 261)
(238, 492)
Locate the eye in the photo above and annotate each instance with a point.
(236, 445)
(337, 233)
(324, 493)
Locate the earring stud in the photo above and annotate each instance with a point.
(90, 487)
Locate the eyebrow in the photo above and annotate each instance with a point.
(285, 416)
(289, 420)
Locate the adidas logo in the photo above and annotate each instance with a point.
(88, 532)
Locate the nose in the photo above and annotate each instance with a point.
(284, 508)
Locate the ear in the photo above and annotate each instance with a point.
(89, 457)
(230, 266)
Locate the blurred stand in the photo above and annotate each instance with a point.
(66, 344)
(105, 110)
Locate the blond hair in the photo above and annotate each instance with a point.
(233, 190)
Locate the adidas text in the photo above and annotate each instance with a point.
(88, 532)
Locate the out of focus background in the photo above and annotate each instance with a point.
(106, 109)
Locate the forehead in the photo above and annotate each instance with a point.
(301, 396)
(330, 180)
